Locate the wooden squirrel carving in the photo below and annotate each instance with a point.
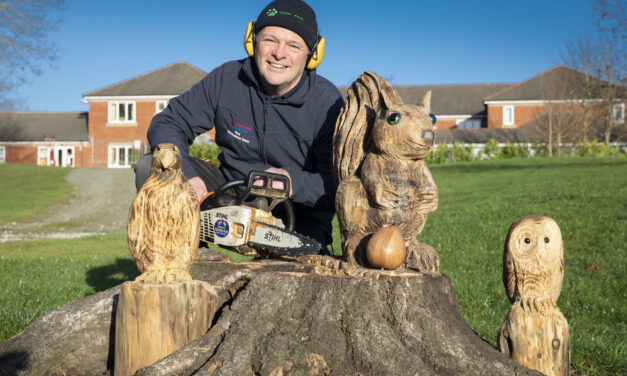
(379, 148)
(535, 332)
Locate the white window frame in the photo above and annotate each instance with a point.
(157, 109)
(114, 113)
(508, 120)
(113, 156)
(3, 154)
(618, 109)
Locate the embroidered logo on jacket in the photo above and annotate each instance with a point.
(238, 131)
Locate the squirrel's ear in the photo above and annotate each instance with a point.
(425, 101)
(388, 94)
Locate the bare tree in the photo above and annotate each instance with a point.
(24, 46)
(602, 58)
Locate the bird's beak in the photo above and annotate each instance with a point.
(167, 160)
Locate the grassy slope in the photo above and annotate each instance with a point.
(478, 202)
(27, 190)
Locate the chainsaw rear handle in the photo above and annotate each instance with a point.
(276, 196)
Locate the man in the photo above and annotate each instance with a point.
(270, 113)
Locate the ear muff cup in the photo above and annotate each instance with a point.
(315, 58)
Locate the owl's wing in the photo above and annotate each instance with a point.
(509, 274)
(367, 97)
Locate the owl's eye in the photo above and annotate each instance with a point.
(433, 119)
(394, 118)
(527, 240)
(546, 239)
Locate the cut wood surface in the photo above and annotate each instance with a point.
(318, 316)
(154, 320)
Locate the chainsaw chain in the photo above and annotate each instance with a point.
(309, 247)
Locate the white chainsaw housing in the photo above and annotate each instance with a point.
(231, 225)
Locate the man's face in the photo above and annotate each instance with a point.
(280, 55)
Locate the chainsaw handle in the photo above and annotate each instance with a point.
(277, 196)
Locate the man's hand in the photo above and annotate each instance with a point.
(277, 183)
(199, 187)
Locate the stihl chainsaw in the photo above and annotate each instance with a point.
(245, 223)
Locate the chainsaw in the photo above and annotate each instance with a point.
(245, 222)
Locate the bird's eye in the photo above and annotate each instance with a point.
(433, 119)
(546, 239)
(527, 240)
(394, 118)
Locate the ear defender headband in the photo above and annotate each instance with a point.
(313, 60)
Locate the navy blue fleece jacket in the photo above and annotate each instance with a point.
(256, 131)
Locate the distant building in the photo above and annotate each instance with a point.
(113, 132)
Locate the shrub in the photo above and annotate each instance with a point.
(491, 150)
(205, 150)
(438, 155)
(460, 153)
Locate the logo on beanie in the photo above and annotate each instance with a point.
(272, 12)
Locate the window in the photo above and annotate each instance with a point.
(121, 112)
(469, 124)
(161, 105)
(508, 115)
(120, 155)
(2, 154)
(618, 114)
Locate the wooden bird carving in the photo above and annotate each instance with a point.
(164, 221)
(535, 332)
(379, 148)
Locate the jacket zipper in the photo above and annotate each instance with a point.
(263, 134)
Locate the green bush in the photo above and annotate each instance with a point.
(205, 150)
(491, 150)
(460, 153)
(515, 150)
(438, 155)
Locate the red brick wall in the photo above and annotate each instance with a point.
(102, 133)
(523, 114)
(29, 153)
(21, 154)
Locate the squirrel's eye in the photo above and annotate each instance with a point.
(527, 240)
(394, 118)
(433, 119)
(546, 239)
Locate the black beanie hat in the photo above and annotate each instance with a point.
(294, 15)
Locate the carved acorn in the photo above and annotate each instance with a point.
(386, 248)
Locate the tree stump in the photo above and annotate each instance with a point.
(154, 320)
(313, 316)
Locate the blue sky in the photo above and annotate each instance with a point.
(407, 42)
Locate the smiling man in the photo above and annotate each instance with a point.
(271, 112)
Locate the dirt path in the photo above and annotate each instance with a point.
(98, 204)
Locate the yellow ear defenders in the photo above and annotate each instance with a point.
(315, 57)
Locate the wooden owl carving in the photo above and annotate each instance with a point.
(535, 332)
(164, 221)
(379, 148)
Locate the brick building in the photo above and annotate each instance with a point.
(113, 132)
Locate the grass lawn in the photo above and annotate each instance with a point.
(478, 203)
(27, 190)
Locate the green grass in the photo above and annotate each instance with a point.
(478, 202)
(28, 190)
(40, 276)
(587, 198)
